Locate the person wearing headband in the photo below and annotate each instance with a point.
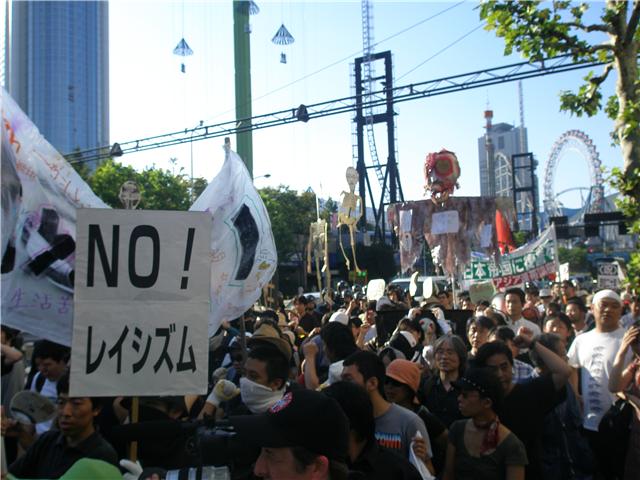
(593, 353)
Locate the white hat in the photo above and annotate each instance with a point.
(340, 316)
(545, 292)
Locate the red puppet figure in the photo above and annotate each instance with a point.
(441, 172)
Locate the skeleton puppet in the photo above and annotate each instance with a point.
(318, 248)
(349, 213)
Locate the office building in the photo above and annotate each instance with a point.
(57, 70)
(495, 149)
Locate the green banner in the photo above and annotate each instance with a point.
(531, 262)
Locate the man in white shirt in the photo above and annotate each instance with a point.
(593, 353)
(514, 302)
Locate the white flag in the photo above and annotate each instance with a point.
(243, 252)
(39, 255)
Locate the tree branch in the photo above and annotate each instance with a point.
(597, 27)
(633, 23)
(596, 81)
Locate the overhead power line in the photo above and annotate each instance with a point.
(348, 57)
(305, 113)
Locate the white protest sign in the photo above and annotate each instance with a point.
(564, 271)
(141, 303)
(375, 289)
(445, 222)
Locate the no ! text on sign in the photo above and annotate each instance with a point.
(141, 303)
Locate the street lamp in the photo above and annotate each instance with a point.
(266, 175)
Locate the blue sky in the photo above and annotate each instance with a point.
(150, 96)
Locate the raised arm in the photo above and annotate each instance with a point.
(559, 368)
(620, 377)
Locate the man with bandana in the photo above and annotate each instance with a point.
(266, 372)
(593, 354)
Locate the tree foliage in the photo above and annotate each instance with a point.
(290, 213)
(576, 257)
(160, 189)
(540, 30)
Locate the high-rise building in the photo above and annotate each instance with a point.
(495, 148)
(57, 70)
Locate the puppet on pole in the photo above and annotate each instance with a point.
(349, 214)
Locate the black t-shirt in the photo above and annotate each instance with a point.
(51, 457)
(523, 411)
(442, 403)
(378, 463)
(309, 321)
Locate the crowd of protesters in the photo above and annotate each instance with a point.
(532, 384)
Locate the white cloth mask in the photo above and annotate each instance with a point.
(256, 397)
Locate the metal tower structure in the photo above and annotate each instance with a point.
(391, 190)
(338, 106)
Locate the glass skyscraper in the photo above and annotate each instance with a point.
(57, 70)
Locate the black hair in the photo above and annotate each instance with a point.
(515, 291)
(483, 303)
(484, 381)
(549, 340)
(562, 317)
(578, 302)
(554, 306)
(490, 349)
(369, 365)
(407, 323)
(354, 321)
(458, 345)
(356, 405)
(301, 299)
(62, 386)
(268, 314)
(338, 340)
(46, 349)
(482, 322)
(503, 333)
(276, 363)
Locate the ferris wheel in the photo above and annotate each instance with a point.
(578, 141)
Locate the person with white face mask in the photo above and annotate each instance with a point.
(264, 382)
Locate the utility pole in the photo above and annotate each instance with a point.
(242, 61)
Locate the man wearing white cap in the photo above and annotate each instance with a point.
(593, 353)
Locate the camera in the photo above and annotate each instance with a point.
(206, 449)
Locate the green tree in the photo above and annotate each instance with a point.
(576, 257)
(539, 30)
(329, 208)
(290, 213)
(160, 189)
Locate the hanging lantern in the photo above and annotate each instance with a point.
(253, 8)
(441, 173)
(283, 37)
(182, 50)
